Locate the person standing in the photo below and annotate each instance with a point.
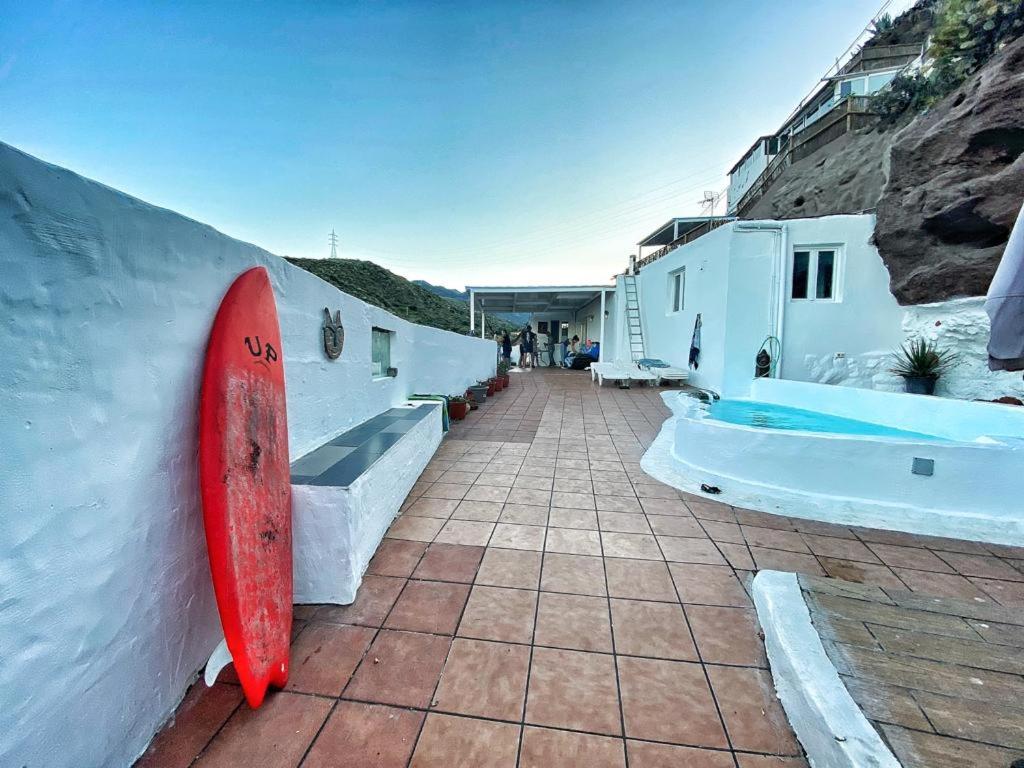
(506, 347)
(529, 343)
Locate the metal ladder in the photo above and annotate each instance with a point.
(633, 326)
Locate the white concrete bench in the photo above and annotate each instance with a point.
(346, 493)
(618, 372)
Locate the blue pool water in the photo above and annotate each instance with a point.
(756, 414)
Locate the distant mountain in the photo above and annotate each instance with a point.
(518, 319)
(410, 301)
(440, 290)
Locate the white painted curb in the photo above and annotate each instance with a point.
(829, 724)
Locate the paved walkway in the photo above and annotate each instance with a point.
(542, 601)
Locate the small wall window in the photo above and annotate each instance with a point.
(381, 351)
(677, 290)
(856, 87)
(815, 275)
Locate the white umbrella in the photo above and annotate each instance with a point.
(1005, 305)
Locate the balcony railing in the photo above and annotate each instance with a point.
(881, 57)
(687, 237)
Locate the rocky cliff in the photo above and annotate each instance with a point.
(955, 186)
(946, 184)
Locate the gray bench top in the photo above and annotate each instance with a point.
(341, 460)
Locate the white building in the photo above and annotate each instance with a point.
(818, 287)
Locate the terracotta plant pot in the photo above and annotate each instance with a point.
(506, 380)
(490, 387)
(458, 411)
(499, 384)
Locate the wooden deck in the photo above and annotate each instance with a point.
(942, 679)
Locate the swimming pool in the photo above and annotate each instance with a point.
(925, 465)
(753, 413)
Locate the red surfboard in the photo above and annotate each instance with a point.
(246, 483)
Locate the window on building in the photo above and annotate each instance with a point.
(854, 87)
(380, 351)
(814, 274)
(878, 82)
(677, 290)
(801, 268)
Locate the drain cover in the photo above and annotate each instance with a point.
(924, 467)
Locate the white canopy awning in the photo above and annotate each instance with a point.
(536, 300)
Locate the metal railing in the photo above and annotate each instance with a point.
(688, 237)
(881, 57)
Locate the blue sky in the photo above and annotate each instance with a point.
(472, 142)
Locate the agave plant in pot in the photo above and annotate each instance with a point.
(921, 362)
(458, 407)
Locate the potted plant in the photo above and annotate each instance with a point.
(458, 407)
(478, 392)
(503, 374)
(499, 383)
(920, 362)
(490, 386)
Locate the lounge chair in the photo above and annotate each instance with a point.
(618, 372)
(663, 371)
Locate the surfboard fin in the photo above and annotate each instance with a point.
(219, 659)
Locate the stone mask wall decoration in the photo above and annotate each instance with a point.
(334, 334)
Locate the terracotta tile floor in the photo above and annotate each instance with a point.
(541, 601)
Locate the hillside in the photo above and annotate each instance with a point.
(383, 288)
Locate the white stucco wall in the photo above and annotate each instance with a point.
(962, 326)
(751, 304)
(667, 334)
(106, 304)
(824, 340)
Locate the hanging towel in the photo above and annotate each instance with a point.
(695, 345)
(444, 407)
(1005, 305)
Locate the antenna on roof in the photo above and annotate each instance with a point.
(707, 205)
(333, 240)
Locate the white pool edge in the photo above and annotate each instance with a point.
(660, 462)
(827, 721)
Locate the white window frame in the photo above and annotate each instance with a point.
(373, 363)
(838, 272)
(676, 275)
